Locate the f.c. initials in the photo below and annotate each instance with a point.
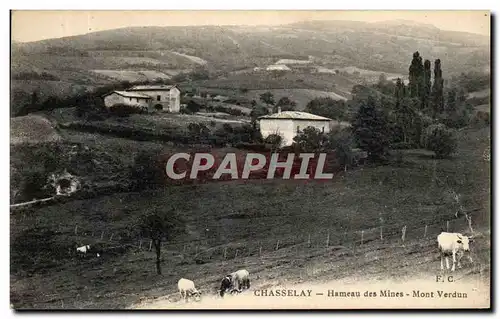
(441, 278)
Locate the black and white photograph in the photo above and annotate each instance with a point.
(250, 159)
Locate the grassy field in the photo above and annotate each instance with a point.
(289, 80)
(246, 218)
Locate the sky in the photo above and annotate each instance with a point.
(29, 26)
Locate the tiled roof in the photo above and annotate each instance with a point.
(130, 94)
(151, 88)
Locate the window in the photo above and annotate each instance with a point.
(158, 97)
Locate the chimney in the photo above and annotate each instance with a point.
(279, 109)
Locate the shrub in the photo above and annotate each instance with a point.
(124, 110)
(439, 139)
(274, 140)
(147, 171)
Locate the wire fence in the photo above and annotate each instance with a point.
(212, 249)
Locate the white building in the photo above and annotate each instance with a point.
(164, 97)
(277, 67)
(289, 123)
(129, 98)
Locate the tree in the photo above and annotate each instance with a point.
(439, 139)
(310, 139)
(426, 90)
(267, 98)
(341, 141)
(257, 111)
(147, 171)
(382, 78)
(327, 107)
(193, 107)
(399, 91)
(404, 116)
(416, 75)
(286, 104)
(437, 94)
(198, 132)
(451, 101)
(160, 225)
(371, 130)
(274, 140)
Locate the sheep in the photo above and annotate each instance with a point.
(235, 282)
(455, 244)
(187, 289)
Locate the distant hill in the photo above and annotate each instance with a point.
(146, 53)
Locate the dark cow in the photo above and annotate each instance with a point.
(235, 282)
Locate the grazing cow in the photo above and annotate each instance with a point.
(187, 289)
(235, 282)
(454, 244)
(83, 249)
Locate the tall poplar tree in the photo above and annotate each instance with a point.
(437, 89)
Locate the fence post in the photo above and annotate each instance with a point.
(309, 241)
(362, 236)
(345, 235)
(425, 232)
(225, 251)
(404, 234)
(469, 222)
(381, 233)
(102, 234)
(150, 244)
(140, 244)
(260, 251)
(92, 234)
(447, 225)
(236, 253)
(76, 229)
(327, 239)
(277, 244)
(111, 238)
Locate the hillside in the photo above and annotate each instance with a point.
(148, 53)
(236, 224)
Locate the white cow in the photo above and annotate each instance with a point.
(83, 249)
(454, 244)
(187, 289)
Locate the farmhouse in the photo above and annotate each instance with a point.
(129, 98)
(164, 97)
(277, 67)
(289, 123)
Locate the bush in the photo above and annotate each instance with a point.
(124, 110)
(147, 171)
(439, 139)
(193, 107)
(403, 146)
(274, 140)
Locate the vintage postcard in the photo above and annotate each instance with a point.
(250, 160)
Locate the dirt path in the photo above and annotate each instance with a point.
(410, 272)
